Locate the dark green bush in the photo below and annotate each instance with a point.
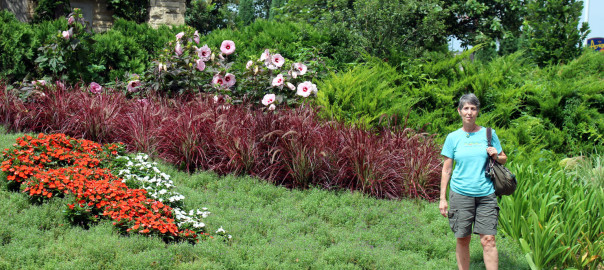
(133, 10)
(207, 16)
(17, 47)
(390, 30)
(118, 54)
(48, 10)
(152, 40)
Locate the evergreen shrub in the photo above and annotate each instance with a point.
(295, 41)
(365, 95)
(17, 47)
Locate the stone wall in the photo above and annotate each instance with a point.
(95, 12)
(23, 9)
(171, 12)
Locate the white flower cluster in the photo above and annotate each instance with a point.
(192, 218)
(140, 173)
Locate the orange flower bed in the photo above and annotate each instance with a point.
(57, 165)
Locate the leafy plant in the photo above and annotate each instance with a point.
(66, 55)
(559, 228)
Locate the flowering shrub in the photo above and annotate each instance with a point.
(56, 165)
(66, 55)
(185, 66)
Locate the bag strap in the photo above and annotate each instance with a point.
(489, 136)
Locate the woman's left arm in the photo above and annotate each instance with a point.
(501, 158)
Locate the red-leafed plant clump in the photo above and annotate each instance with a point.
(289, 146)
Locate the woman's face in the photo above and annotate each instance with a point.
(468, 113)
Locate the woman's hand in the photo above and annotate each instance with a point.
(492, 152)
(501, 158)
(442, 206)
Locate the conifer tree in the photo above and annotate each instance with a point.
(246, 11)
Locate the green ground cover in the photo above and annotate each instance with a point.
(272, 227)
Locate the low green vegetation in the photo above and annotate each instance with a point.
(272, 227)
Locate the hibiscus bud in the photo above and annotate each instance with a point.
(255, 70)
(178, 49)
(249, 64)
(71, 20)
(271, 107)
(65, 34)
(180, 35)
(196, 37)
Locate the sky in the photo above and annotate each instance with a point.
(595, 17)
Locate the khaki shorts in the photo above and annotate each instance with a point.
(482, 212)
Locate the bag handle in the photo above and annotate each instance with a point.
(488, 165)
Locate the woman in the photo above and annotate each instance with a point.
(472, 195)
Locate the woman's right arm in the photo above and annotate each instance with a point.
(444, 182)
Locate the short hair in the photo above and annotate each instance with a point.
(468, 98)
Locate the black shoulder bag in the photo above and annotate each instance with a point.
(503, 180)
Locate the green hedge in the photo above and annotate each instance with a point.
(556, 110)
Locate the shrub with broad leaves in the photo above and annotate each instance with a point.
(66, 55)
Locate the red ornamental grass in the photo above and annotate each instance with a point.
(96, 116)
(139, 125)
(295, 152)
(52, 111)
(236, 134)
(187, 139)
(14, 115)
(289, 147)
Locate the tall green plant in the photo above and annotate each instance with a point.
(553, 31)
(246, 12)
(557, 221)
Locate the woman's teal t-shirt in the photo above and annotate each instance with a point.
(468, 150)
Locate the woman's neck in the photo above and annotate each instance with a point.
(470, 127)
